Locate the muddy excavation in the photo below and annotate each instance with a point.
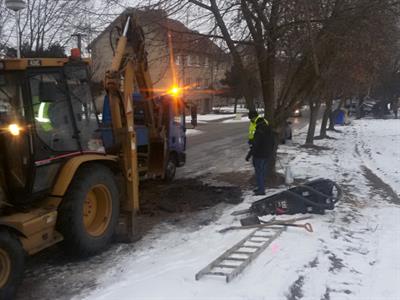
(184, 203)
(184, 196)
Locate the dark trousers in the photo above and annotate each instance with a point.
(260, 167)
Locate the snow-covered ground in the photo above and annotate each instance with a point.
(231, 109)
(354, 252)
(190, 132)
(214, 117)
(237, 119)
(380, 149)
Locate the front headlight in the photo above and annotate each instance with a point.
(14, 129)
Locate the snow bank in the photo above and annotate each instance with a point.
(214, 117)
(379, 147)
(237, 120)
(190, 132)
(231, 109)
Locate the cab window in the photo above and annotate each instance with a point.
(83, 107)
(52, 113)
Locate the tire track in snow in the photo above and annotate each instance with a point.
(332, 272)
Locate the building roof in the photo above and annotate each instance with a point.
(183, 38)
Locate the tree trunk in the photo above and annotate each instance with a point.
(359, 112)
(236, 57)
(272, 176)
(235, 107)
(325, 118)
(332, 117)
(314, 109)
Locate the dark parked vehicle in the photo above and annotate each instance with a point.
(296, 113)
(286, 134)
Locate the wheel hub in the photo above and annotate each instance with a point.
(97, 210)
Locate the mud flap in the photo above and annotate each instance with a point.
(157, 157)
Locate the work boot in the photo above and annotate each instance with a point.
(258, 193)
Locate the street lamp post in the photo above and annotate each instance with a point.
(16, 5)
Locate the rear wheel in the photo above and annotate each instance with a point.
(89, 212)
(170, 169)
(12, 261)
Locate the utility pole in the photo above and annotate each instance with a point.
(16, 6)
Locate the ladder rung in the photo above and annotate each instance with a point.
(243, 252)
(260, 242)
(216, 273)
(217, 266)
(251, 247)
(225, 266)
(235, 259)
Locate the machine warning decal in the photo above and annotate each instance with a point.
(34, 62)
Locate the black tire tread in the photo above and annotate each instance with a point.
(10, 242)
(75, 242)
(174, 158)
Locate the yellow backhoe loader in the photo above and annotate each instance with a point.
(57, 183)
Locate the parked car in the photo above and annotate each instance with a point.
(365, 108)
(286, 133)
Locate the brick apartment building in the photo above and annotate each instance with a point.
(199, 63)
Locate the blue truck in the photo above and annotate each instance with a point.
(170, 112)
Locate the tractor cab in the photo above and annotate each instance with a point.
(46, 116)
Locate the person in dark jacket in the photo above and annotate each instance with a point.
(261, 151)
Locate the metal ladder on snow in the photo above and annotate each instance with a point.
(233, 261)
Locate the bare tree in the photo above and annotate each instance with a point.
(49, 22)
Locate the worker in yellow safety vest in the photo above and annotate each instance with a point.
(254, 118)
(261, 142)
(41, 111)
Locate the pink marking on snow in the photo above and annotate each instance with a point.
(274, 248)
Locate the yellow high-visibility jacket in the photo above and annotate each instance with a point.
(252, 127)
(42, 115)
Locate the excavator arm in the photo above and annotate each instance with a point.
(128, 74)
(157, 135)
(119, 85)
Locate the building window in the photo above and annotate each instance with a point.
(178, 60)
(206, 62)
(202, 60)
(193, 60)
(187, 81)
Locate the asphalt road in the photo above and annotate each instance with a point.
(220, 148)
(216, 130)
